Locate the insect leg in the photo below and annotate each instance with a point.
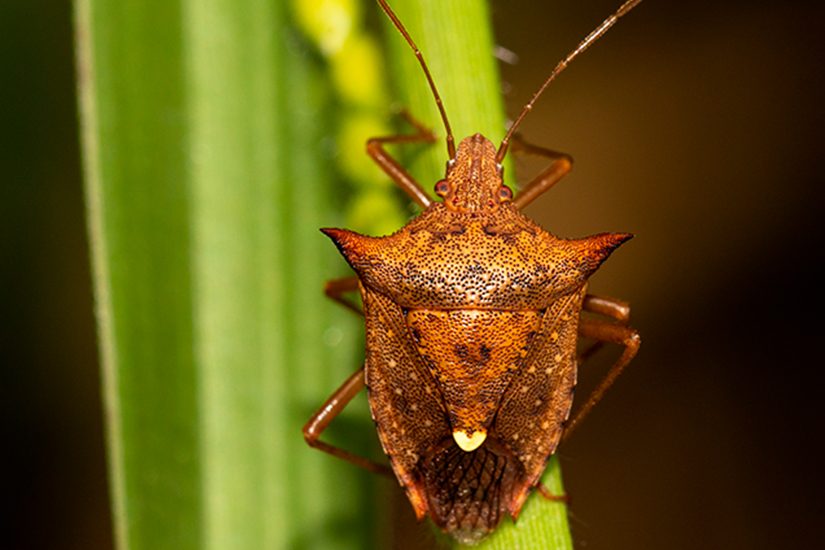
(333, 406)
(546, 493)
(609, 307)
(605, 331)
(336, 288)
(561, 164)
(375, 149)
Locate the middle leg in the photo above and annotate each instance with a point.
(609, 307)
(605, 332)
(336, 288)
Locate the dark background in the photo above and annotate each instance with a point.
(695, 126)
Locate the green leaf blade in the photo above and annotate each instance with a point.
(206, 181)
(140, 275)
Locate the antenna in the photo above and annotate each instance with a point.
(417, 52)
(583, 45)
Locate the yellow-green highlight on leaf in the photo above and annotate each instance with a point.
(355, 128)
(358, 73)
(329, 23)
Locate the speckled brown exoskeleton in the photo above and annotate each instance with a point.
(473, 314)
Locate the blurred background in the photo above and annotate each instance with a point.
(695, 126)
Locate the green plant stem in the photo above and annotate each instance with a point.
(456, 41)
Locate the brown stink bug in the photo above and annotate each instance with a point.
(473, 314)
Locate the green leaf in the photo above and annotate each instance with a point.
(206, 181)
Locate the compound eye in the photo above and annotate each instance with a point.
(505, 194)
(442, 188)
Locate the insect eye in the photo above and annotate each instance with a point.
(441, 188)
(504, 193)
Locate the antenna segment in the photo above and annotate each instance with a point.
(417, 52)
(583, 45)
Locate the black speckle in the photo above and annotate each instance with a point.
(485, 353)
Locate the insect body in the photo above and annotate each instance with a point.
(472, 314)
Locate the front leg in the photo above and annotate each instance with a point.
(560, 166)
(376, 151)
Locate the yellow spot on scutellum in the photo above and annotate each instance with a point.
(469, 441)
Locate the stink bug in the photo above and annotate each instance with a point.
(473, 314)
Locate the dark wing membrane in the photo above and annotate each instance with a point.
(469, 493)
(404, 398)
(531, 416)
